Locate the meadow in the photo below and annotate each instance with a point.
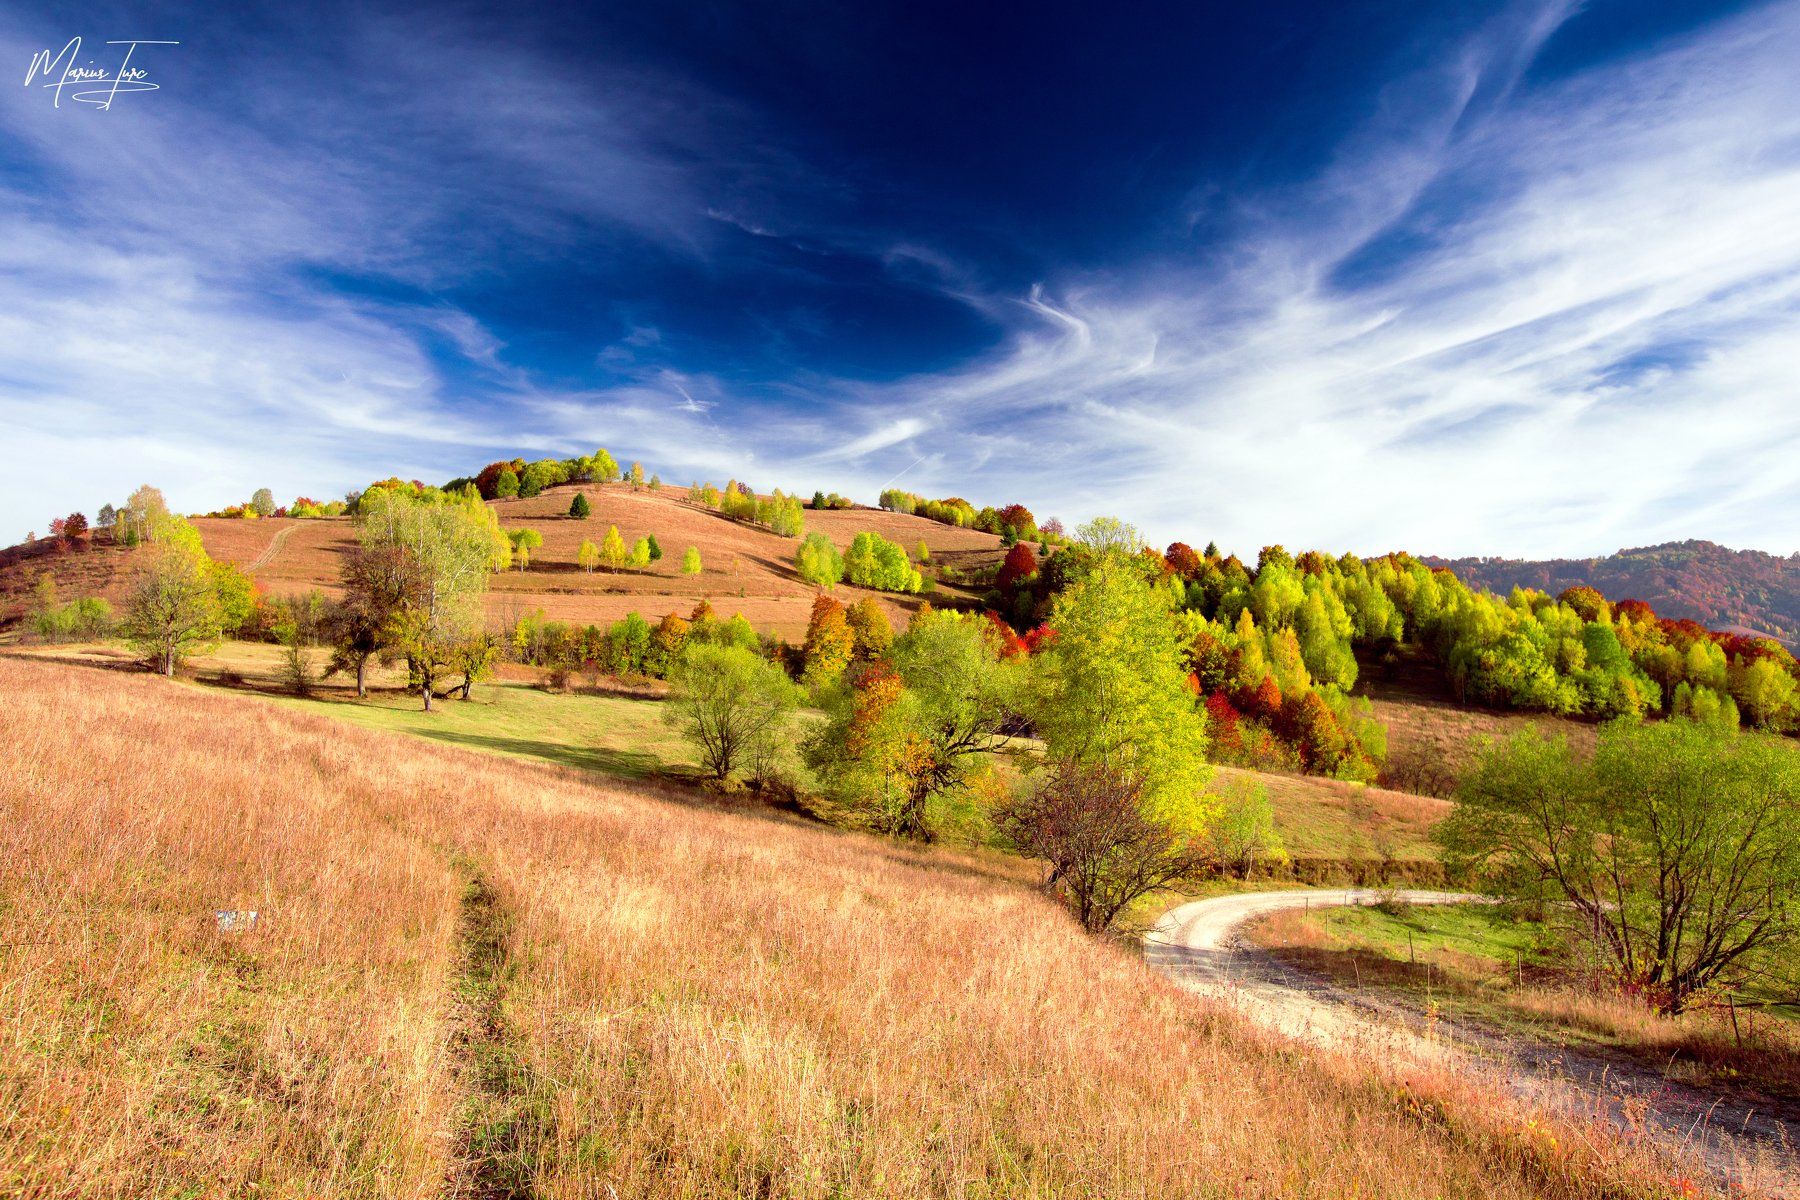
(471, 975)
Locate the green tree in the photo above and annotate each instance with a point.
(818, 561)
(923, 552)
(656, 551)
(1113, 690)
(690, 561)
(440, 552)
(1675, 846)
(507, 486)
(300, 625)
(734, 706)
(605, 467)
(172, 605)
(236, 594)
(579, 508)
(1244, 829)
(874, 562)
(524, 541)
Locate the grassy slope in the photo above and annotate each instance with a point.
(468, 970)
(1483, 962)
(626, 736)
(1327, 818)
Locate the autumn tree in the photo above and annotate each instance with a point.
(376, 580)
(1019, 566)
(916, 725)
(690, 561)
(587, 556)
(869, 624)
(612, 549)
(830, 642)
(262, 502)
(639, 559)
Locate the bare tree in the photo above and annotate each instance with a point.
(1090, 824)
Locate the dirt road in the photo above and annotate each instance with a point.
(1200, 946)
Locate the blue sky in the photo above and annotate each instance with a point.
(1511, 279)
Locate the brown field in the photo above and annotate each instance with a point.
(746, 569)
(473, 976)
(1319, 817)
(93, 567)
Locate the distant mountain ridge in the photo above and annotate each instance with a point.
(1743, 591)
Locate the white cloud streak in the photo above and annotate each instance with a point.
(1511, 316)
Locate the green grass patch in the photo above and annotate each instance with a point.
(1479, 935)
(611, 734)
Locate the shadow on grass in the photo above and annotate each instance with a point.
(632, 764)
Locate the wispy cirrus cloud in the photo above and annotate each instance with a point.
(1551, 323)
(1511, 313)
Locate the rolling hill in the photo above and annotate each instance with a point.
(1740, 591)
(745, 569)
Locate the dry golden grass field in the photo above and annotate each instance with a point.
(474, 976)
(746, 569)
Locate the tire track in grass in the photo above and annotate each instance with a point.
(269, 551)
(506, 1120)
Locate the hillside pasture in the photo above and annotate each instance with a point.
(474, 976)
(745, 569)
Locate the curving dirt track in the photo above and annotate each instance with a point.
(1200, 946)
